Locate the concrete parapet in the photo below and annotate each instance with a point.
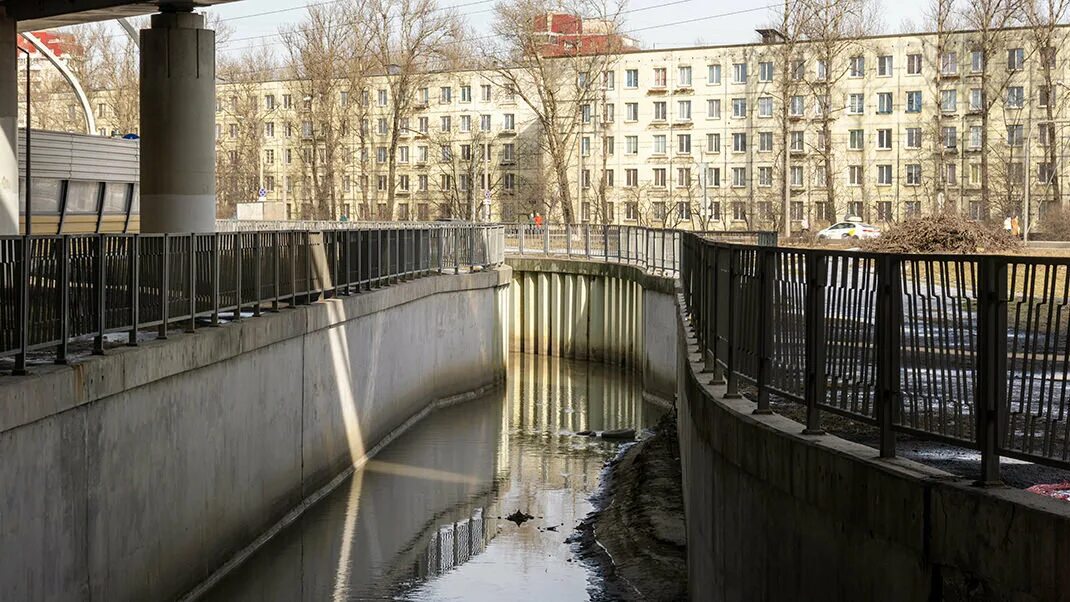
(135, 475)
(776, 515)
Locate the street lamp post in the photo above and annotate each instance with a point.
(24, 300)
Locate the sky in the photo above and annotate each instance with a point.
(655, 23)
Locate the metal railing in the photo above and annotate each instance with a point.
(969, 350)
(81, 287)
(654, 249)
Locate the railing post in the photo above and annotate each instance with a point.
(587, 241)
(731, 376)
(767, 266)
(215, 279)
(192, 283)
(165, 287)
(568, 240)
(605, 241)
(101, 283)
(521, 229)
(25, 246)
(239, 249)
(308, 266)
(887, 342)
(64, 290)
(991, 371)
(134, 265)
(276, 285)
(546, 239)
(815, 385)
(292, 243)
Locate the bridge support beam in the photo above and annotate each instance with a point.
(177, 124)
(9, 115)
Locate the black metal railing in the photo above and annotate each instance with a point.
(969, 350)
(654, 249)
(59, 289)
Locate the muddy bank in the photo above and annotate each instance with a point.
(636, 537)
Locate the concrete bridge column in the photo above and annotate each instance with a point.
(9, 109)
(177, 124)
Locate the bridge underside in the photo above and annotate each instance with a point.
(46, 14)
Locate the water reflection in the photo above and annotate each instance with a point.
(425, 519)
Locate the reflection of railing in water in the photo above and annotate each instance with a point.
(452, 545)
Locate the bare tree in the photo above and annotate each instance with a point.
(942, 61)
(409, 40)
(556, 82)
(989, 20)
(1045, 18)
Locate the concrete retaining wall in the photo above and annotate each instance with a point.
(589, 310)
(133, 476)
(775, 515)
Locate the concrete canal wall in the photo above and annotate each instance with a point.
(590, 310)
(775, 515)
(135, 475)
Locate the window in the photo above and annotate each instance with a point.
(739, 176)
(765, 176)
(884, 139)
(509, 122)
(585, 146)
(446, 123)
(269, 129)
(660, 75)
(1043, 96)
(631, 211)
(797, 106)
(380, 126)
(884, 175)
(765, 72)
(713, 143)
(975, 136)
(913, 64)
(484, 92)
(913, 138)
(884, 103)
(856, 139)
(446, 153)
(798, 69)
(949, 63)
(659, 177)
(797, 179)
(683, 144)
(683, 76)
(585, 113)
(585, 178)
(683, 110)
(421, 182)
(765, 141)
(631, 78)
(631, 111)
(713, 75)
(950, 174)
(508, 153)
(382, 98)
(713, 108)
(403, 183)
(423, 125)
(484, 123)
(1045, 173)
(739, 107)
(913, 174)
(739, 73)
(661, 110)
(857, 66)
(1014, 135)
(609, 112)
(403, 154)
(821, 179)
(609, 145)
(713, 176)
(631, 178)
(854, 175)
(798, 141)
(1015, 59)
(466, 123)
(659, 144)
(445, 95)
(976, 99)
(1015, 97)
(631, 145)
(1047, 133)
(977, 61)
(765, 106)
(739, 142)
(948, 101)
(950, 135)
(856, 104)
(914, 102)
(884, 65)
(822, 71)
(739, 210)
(609, 80)
(269, 157)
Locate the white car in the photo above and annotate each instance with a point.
(844, 230)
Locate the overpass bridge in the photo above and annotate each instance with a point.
(171, 346)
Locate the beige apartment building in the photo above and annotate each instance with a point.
(686, 137)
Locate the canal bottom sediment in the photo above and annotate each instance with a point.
(425, 519)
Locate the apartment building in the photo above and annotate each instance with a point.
(889, 127)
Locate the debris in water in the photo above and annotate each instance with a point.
(619, 434)
(519, 518)
(554, 528)
(586, 433)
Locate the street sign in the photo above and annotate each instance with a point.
(262, 193)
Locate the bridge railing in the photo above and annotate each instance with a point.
(55, 290)
(654, 249)
(968, 350)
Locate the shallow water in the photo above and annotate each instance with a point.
(425, 519)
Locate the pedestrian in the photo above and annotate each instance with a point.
(1007, 224)
(1016, 229)
(538, 220)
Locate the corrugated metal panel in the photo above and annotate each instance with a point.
(63, 156)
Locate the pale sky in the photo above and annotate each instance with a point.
(710, 21)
